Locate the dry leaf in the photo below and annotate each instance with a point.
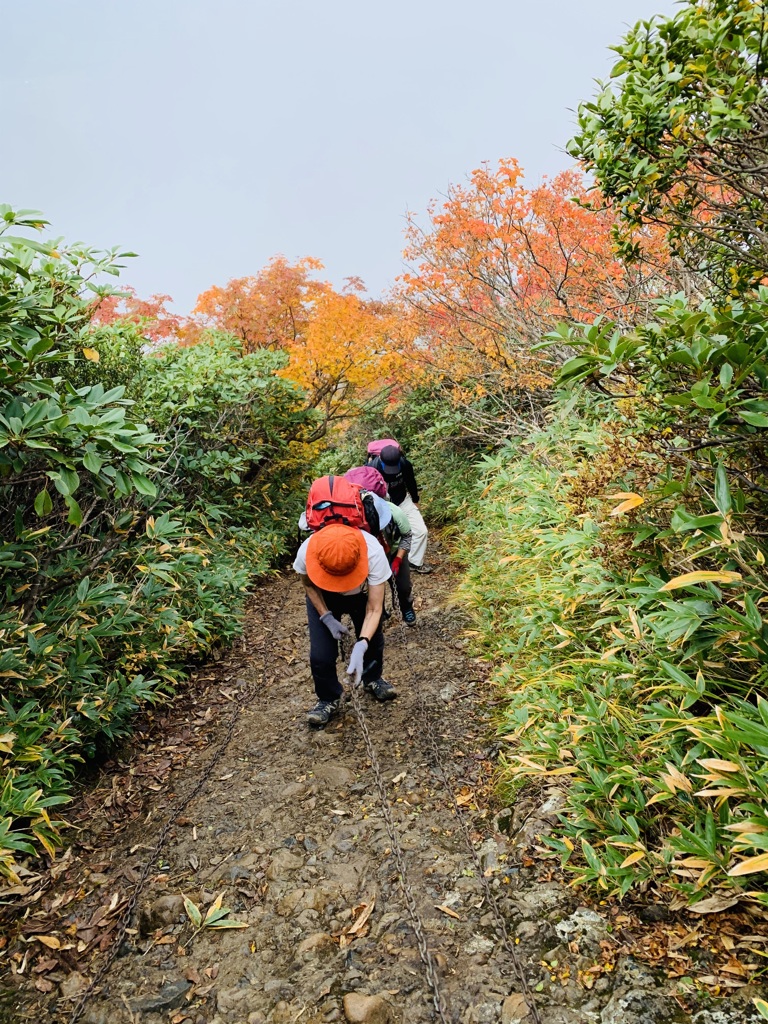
(447, 910)
(715, 764)
(702, 576)
(714, 904)
(362, 919)
(633, 858)
(631, 500)
(750, 866)
(48, 940)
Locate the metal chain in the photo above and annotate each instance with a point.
(417, 924)
(437, 760)
(179, 808)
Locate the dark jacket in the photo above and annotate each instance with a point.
(400, 482)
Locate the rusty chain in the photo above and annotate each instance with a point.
(417, 925)
(428, 725)
(181, 805)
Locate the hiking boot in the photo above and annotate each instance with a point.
(323, 712)
(381, 689)
(409, 617)
(423, 569)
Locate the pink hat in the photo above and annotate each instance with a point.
(369, 478)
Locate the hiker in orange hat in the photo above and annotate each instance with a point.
(344, 571)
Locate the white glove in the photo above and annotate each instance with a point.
(355, 667)
(335, 628)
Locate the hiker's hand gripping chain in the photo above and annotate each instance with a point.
(335, 628)
(355, 667)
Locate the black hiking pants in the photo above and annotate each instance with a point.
(404, 585)
(324, 650)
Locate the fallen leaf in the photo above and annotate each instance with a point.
(361, 920)
(714, 904)
(447, 910)
(45, 965)
(48, 940)
(631, 501)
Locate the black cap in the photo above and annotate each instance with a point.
(390, 455)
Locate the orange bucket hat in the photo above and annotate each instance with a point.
(337, 558)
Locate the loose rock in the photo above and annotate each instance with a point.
(359, 1009)
(73, 985)
(161, 913)
(317, 944)
(282, 864)
(514, 1009)
(170, 997)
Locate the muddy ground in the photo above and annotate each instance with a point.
(289, 831)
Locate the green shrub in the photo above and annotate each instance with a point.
(638, 688)
(130, 527)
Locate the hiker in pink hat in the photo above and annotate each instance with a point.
(387, 457)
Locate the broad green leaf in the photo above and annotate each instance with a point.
(43, 503)
(75, 516)
(722, 490)
(143, 485)
(92, 462)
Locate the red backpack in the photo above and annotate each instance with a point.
(332, 499)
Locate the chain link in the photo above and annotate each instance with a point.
(428, 728)
(181, 805)
(417, 924)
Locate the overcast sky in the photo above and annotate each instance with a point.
(208, 135)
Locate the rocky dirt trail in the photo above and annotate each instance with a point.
(289, 828)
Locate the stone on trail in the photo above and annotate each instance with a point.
(359, 1009)
(73, 985)
(514, 1009)
(317, 943)
(335, 776)
(479, 944)
(639, 1006)
(282, 864)
(582, 924)
(170, 997)
(482, 1013)
(161, 913)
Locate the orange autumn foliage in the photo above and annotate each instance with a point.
(499, 265)
(346, 352)
(338, 344)
(157, 322)
(268, 310)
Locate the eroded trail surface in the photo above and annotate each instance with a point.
(290, 829)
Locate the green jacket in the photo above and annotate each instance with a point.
(398, 533)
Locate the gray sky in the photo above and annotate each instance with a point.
(208, 135)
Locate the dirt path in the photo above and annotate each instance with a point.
(290, 829)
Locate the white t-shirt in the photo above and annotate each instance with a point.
(378, 566)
